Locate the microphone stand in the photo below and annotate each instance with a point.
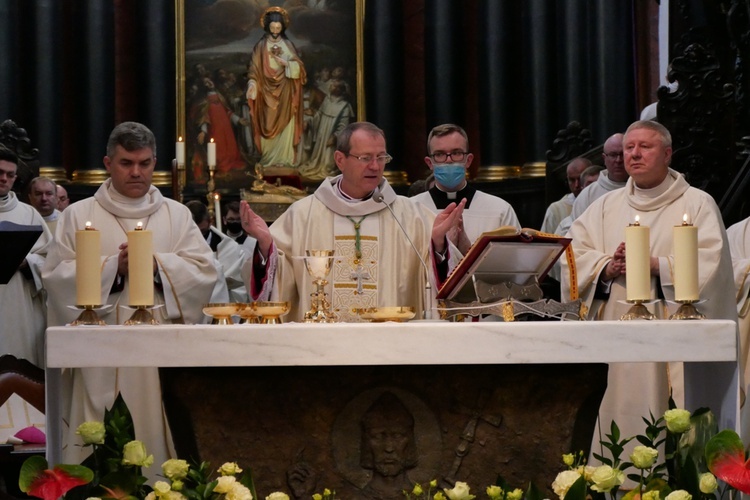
(378, 197)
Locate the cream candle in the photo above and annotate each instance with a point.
(141, 266)
(211, 155)
(638, 261)
(88, 267)
(685, 240)
(217, 210)
(180, 151)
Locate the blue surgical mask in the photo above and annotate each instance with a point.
(449, 175)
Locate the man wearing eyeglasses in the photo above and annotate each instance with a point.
(375, 264)
(23, 310)
(614, 177)
(449, 158)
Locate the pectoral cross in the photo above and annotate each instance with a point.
(359, 274)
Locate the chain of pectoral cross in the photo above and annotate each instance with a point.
(359, 274)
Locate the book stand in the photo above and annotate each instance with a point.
(500, 275)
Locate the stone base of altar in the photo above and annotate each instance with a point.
(371, 431)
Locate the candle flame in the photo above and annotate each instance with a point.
(88, 224)
(684, 220)
(212, 139)
(179, 139)
(139, 226)
(637, 220)
(216, 196)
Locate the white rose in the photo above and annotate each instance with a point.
(564, 481)
(605, 478)
(224, 484)
(459, 492)
(679, 495)
(240, 492)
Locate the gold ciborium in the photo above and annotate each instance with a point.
(319, 264)
(270, 313)
(222, 312)
(249, 315)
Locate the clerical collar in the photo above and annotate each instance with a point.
(443, 199)
(346, 197)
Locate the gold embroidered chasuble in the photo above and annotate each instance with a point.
(394, 274)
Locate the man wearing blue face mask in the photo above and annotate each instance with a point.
(449, 158)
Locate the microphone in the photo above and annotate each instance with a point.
(377, 196)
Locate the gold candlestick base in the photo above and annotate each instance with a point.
(687, 311)
(637, 311)
(142, 316)
(88, 317)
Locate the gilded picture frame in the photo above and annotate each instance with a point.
(214, 43)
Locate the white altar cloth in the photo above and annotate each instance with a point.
(709, 349)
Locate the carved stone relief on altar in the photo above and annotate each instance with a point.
(373, 431)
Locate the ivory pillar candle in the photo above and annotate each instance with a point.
(211, 155)
(217, 210)
(180, 151)
(88, 267)
(638, 262)
(141, 266)
(685, 239)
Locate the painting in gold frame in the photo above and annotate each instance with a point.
(214, 42)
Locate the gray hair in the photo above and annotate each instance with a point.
(41, 178)
(343, 143)
(657, 127)
(132, 136)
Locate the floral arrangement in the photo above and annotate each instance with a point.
(113, 470)
(696, 458)
(695, 455)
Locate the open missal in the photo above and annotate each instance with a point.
(16, 241)
(505, 256)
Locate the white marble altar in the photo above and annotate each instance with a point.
(709, 349)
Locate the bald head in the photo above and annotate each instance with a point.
(613, 159)
(62, 198)
(573, 172)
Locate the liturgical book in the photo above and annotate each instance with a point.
(504, 255)
(16, 241)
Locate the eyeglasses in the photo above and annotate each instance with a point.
(442, 156)
(614, 156)
(366, 159)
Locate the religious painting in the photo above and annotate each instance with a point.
(270, 84)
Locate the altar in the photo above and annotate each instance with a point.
(395, 365)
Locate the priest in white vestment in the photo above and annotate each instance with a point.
(375, 264)
(558, 210)
(449, 159)
(184, 276)
(43, 197)
(22, 298)
(660, 197)
(739, 246)
(613, 178)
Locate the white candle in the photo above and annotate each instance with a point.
(212, 155)
(180, 151)
(141, 266)
(88, 267)
(638, 262)
(685, 240)
(217, 210)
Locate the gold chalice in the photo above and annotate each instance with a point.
(270, 312)
(319, 264)
(222, 312)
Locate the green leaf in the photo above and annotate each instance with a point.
(534, 493)
(577, 491)
(32, 468)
